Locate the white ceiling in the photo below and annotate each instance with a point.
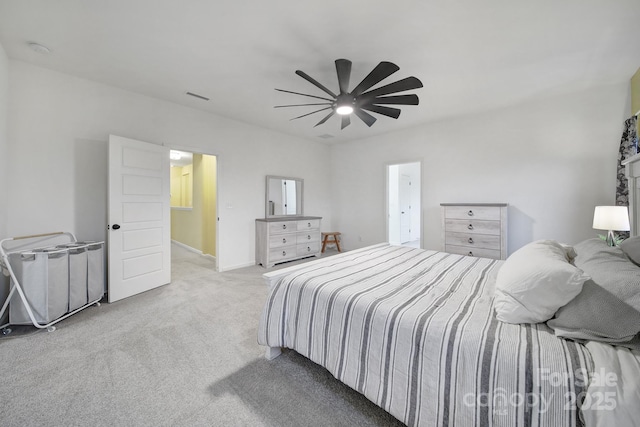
(470, 55)
(185, 158)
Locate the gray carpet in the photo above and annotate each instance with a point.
(181, 355)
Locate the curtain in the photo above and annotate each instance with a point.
(628, 148)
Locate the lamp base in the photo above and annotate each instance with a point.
(611, 241)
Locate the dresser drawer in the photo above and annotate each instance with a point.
(485, 241)
(472, 212)
(472, 226)
(310, 248)
(304, 238)
(281, 240)
(477, 252)
(308, 224)
(280, 227)
(282, 254)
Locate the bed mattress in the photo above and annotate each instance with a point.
(415, 332)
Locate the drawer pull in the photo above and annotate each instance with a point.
(470, 240)
(309, 224)
(284, 240)
(470, 253)
(284, 253)
(308, 249)
(308, 237)
(284, 226)
(470, 213)
(470, 226)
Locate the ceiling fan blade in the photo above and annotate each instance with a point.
(313, 112)
(326, 117)
(314, 82)
(346, 121)
(365, 117)
(397, 99)
(304, 94)
(379, 73)
(302, 105)
(385, 111)
(343, 68)
(399, 86)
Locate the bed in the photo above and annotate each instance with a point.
(415, 331)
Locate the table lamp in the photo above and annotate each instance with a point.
(611, 218)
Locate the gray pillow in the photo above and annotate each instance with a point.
(631, 248)
(608, 307)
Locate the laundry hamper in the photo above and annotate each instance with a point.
(95, 271)
(50, 283)
(77, 274)
(44, 276)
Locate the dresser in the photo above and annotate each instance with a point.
(286, 239)
(475, 229)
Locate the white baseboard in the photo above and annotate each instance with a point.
(235, 267)
(187, 247)
(194, 250)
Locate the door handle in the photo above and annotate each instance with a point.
(116, 226)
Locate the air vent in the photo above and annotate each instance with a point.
(325, 136)
(195, 95)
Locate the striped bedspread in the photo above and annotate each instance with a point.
(414, 331)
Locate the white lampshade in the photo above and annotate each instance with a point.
(611, 218)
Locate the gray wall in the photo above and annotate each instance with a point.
(59, 128)
(552, 160)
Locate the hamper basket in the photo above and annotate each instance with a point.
(43, 275)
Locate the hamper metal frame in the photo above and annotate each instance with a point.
(15, 284)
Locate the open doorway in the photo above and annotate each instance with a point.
(404, 207)
(194, 216)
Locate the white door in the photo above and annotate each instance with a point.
(404, 197)
(139, 235)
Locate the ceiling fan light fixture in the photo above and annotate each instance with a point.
(344, 104)
(344, 110)
(360, 98)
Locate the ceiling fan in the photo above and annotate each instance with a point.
(358, 99)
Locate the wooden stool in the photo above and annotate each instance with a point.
(334, 240)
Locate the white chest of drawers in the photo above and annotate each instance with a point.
(284, 239)
(475, 229)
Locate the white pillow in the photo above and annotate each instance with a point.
(535, 281)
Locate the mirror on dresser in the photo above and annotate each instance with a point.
(284, 196)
